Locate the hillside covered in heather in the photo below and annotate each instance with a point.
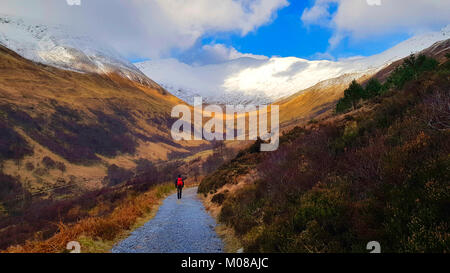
(377, 169)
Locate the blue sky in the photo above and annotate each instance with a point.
(288, 36)
(285, 36)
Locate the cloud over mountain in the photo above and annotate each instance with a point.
(151, 28)
(360, 19)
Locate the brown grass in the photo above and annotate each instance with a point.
(315, 102)
(99, 234)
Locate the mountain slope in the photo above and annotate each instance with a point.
(315, 101)
(379, 173)
(61, 46)
(257, 81)
(84, 122)
(437, 51)
(75, 147)
(320, 99)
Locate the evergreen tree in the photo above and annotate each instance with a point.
(373, 88)
(354, 93)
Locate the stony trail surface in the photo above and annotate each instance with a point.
(180, 226)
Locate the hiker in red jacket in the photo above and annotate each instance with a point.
(179, 184)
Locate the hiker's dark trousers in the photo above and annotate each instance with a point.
(179, 190)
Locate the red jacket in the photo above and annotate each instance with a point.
(179, 182)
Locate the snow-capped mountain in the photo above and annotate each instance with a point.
(239, 81)
(256, 81)
(62, 47)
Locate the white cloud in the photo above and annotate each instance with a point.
(323, 56)
(151, 28)
(201, 15)
(361, 19)
(214, 54)
(229, 53)
(318, 14)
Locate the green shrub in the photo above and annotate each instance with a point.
(411, 69)
(373, 88)
(343, 105)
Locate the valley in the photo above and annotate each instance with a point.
(87, 152)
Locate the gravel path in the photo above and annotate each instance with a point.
(180, 226)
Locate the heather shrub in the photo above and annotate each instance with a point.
(381, 174)
(48, 162)
(117, 175)
(218, 198)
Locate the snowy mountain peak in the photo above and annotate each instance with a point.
(263, 81)
(61, 46)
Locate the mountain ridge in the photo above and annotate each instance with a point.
(63, 47)
(256, 81)
(319, 100)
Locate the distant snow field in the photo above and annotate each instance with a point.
(258, 81)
